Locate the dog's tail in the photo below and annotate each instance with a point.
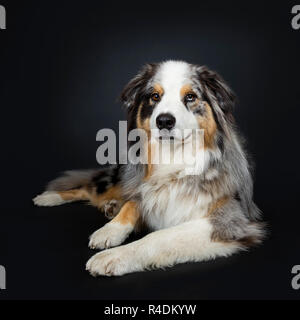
(73, 179)
(99, 186)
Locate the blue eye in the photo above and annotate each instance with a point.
(190, 97)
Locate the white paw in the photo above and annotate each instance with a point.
(48, 199)
(112, 262)
(111, 235)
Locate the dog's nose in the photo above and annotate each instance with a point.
(165, 121)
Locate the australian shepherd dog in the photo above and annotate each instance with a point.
(192, 217)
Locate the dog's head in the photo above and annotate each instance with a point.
(174, 95)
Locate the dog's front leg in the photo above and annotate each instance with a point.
(190, 241)
(116, 231)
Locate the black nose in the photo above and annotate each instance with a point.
(165, 121)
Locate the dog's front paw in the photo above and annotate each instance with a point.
(112, 262)
(111, 235)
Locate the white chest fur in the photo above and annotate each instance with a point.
(168, 201)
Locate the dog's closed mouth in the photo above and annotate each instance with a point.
(172, 138)
(166, 137)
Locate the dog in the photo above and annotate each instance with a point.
(191, 217)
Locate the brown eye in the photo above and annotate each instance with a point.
(190, 97)
(155, 97)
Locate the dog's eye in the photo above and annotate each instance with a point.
(190, 97)
(155, 97)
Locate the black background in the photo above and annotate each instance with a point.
(63, 65)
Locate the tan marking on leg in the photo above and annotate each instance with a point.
(128, 214)
(217, 205)
(76, 194)
(113, 193)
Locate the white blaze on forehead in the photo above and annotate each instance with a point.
(172, 75)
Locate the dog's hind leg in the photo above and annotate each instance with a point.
(100, 187)
(56, 198)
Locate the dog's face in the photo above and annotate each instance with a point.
(173, 96)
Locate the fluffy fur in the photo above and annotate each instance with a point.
(193, 217)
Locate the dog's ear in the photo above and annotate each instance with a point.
(133, 90)
(217, 93)
(216, 89)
